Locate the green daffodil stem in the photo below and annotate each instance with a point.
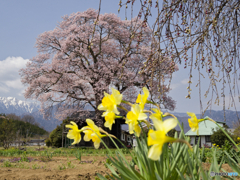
(185, 142)
(147, 111)
(101, 130)
(121, 107)
(168, 114)
(155, 104)
(208, 118)
(126, 102)
(120, 117)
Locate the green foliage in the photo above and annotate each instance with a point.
(7, 131)
(78, 155)
(56, 137)
(24, 157)
(175, 162)
(227, 147)
(236, 133)
(48, 142)
(171, 133)
(11, 124)
(218, 137)
(7, 164)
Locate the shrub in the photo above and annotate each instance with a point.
(218, 137)
(48, 142)
(56, 137)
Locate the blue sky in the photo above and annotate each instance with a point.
(22, 22)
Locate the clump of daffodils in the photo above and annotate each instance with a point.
(92, 132)
(157, 135)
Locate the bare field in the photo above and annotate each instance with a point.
(57, 168)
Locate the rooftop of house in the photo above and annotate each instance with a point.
(36, 140)
(205, 128)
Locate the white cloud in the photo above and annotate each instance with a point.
(10, 80)
(9, 68)
(4, 89)
(21, 93)
(17, 84)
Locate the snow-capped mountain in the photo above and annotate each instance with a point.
(12, 105)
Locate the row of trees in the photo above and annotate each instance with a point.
(14, 128)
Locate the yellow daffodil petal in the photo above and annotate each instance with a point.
(137, 129)
(115, 110)
(157, 115)
(92, 132)
(110, 119)
(142, 116)
(138, 98)
(136, 109)
(110, 102)
(193, 122)
(92, 125)
(155, 151)
(74, 133)
(169, 124)
(142, 99)
(131, 127)
(97, 144)
(101, 107)
(117, 96)
(145, 94)
(158, 124)
(131, 116)
(87, 136)
(151, 137)
(158, 138)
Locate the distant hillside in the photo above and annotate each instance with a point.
(12, 105)
(26, 128)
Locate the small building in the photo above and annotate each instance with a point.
(36, 142)
(17, 143)
(205, 132)
(126, 138)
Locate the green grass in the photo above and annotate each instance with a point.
(53, 152)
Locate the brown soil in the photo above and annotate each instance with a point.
(63, 168)
(58, 168)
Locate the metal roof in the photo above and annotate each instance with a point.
(205, 128)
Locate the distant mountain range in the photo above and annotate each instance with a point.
(12, 105)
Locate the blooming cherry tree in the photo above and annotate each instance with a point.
(85, 54)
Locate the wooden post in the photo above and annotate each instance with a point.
(62, 135)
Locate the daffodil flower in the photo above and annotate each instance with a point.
(110, 119)
(132, 119)
(157, 138)
(110, 102)
(92, 132)
(75, 133)
(142, 98)
(157, 115)
(193, 122)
